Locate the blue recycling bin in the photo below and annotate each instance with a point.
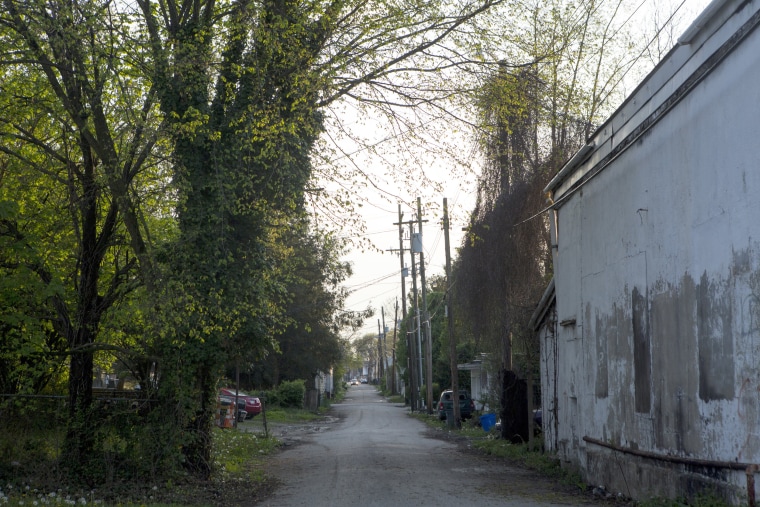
(488, 421)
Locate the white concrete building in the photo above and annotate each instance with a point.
(481, 383)
(651, 365)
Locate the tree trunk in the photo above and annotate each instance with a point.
(80, 442)
(514, 411)
(197, 451)
(82, 334)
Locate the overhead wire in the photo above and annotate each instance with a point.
(369, 283)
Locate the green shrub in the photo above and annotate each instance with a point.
(290, 394)
(271, 398)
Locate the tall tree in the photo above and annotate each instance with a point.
(70, 174)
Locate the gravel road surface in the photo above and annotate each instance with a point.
(374, 454)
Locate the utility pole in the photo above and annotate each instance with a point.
(418, 351)
(409, 346)
(379, 350)
(426, 319)
(450, 313)
(393, 349)
(383, 332)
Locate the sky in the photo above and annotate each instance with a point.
(376, 280)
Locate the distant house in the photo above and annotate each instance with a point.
(323, 382)
(651, 364)
(323, 388)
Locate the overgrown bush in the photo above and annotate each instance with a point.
(126, 445)
(290, 394)
(271, 398)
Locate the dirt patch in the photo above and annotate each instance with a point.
(528, 482)
(503, 477)
(290, 434)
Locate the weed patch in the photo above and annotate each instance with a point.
(238, 474)
(290, 415)
(698, 501)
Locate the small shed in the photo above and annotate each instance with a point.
(544, 324)
(480, 382)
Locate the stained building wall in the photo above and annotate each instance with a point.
(657, 271)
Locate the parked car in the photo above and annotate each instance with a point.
(466, 405)
(252, 403)
(363, 380)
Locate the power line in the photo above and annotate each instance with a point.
(366, 234)
(369, 283)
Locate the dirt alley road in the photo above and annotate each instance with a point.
(374, 454)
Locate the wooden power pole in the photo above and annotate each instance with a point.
(450, 313)
(393, 349)
(416, 345)
(409, 346)
(426, 320)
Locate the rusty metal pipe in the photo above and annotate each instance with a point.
(733, 465)
(751, 471)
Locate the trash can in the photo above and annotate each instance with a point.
(488, 421)
(225, 417)
(450, 422)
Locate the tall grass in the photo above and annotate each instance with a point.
(31, 475)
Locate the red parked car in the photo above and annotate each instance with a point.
(252, 403)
